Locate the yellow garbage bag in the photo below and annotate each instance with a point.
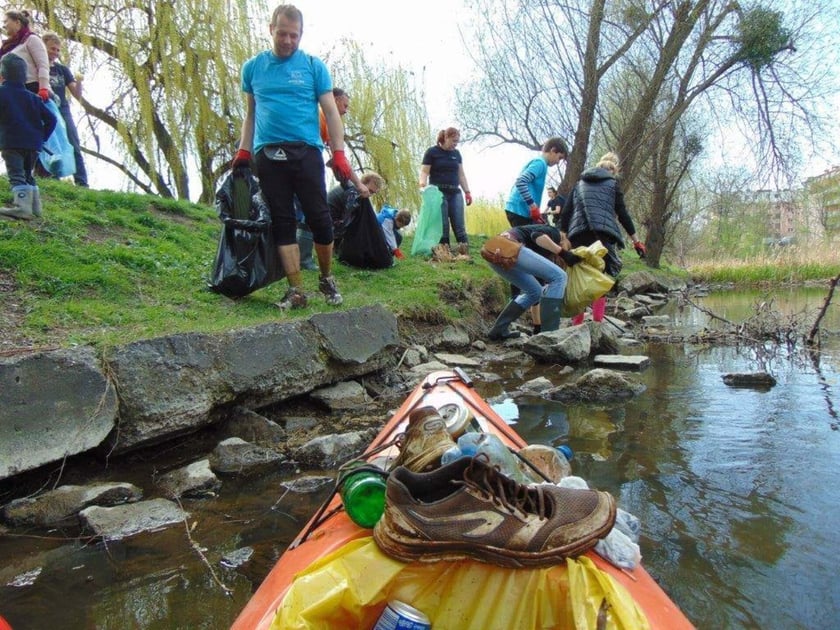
(350, 588)
(587, 280)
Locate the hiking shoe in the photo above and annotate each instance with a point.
(424, 441)
(468, 509)
(328, 287)
(295, 298)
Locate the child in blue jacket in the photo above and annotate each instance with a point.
(25, 123)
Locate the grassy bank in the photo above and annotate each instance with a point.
(107, 268)
(793, 264)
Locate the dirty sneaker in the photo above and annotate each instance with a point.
(328, 287)
(467, 509)
(295, 298)
(425, 440)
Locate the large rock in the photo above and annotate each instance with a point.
(176, 384)
(122, 521)
(599, 386)
(329, 451)
(234, 456)
(566, 345)
(193, 480)
(56, 506)
(52, 405)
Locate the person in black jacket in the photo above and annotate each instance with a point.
(592, 213)
(536, 275)
(25, 123)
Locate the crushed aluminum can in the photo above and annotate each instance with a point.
(400, 616)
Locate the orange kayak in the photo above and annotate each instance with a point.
(330, 532)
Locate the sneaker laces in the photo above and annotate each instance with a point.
(513, 496)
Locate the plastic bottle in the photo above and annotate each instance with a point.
(473, 443)
(362, 490)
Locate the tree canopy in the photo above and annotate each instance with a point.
(642, 77)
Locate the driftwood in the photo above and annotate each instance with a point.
(815, 329)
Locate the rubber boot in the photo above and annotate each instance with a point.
(22, 204)
(36, 200)
(599, 308)
(550, 313)
(305, 243)
(500, 329)
(577, 320)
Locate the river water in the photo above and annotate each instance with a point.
(737, 491)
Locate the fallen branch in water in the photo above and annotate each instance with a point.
(816, 327)
(195, 546)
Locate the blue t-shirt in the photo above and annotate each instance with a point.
(286, 93)
(534, 174)
(444, 166)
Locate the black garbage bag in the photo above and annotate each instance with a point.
(246, 259)
(363, 244)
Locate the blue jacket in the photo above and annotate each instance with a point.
(25, 122)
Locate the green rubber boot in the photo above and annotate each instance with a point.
(550, 309)
(501, 327)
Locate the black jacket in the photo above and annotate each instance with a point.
(596, 205)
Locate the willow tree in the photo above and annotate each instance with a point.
(387, 127)
(173, 104)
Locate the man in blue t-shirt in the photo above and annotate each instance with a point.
(283, 88)
(523, 204)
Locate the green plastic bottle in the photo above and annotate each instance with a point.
(363, 494)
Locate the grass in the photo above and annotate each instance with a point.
(107, 268)
(793, 264)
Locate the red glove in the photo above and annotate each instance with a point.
(242, 158)
(340, 166)
(640, 248)
(469, 198)
(44, 93)
(536, 217)
(399, 254)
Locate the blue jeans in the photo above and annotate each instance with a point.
(19, 165)
(452, 210)
(526, 274)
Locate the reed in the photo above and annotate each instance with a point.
(790, 264)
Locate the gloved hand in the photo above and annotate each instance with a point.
(569, 258)
(44, 93)
(536, 217)
(399, 254)
(640, 248)
(340, 166)
(242, 158)
(468, 197)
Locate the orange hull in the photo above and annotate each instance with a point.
(337, 529)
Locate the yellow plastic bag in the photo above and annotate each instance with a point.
(587, 280)
(350, 587)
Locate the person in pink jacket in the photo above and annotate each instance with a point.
(29, 47)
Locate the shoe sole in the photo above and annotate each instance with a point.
(414, 550)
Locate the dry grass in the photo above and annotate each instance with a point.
(795, 263)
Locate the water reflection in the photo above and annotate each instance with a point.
(737, 489)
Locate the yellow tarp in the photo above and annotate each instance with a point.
(350, 587)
